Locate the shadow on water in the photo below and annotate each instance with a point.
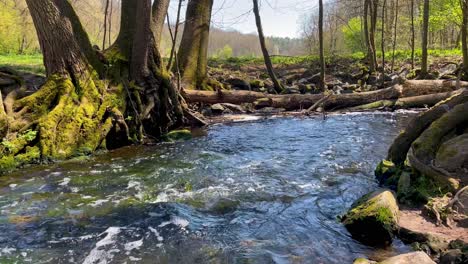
(259, 192)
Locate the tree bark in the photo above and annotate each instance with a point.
(193, 50)
(159, 11)
(322, 55)
(464, 33)
(367, 35)
(425, 33)
(413, 33)
(395, 25)
(266, 56)
(176, 33)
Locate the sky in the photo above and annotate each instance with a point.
(280, 18)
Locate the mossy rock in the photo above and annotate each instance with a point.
(257, 84)
(388, 174)
(178, 135)
(373, 219)
(363, 261)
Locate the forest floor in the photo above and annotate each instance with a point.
(416, 221)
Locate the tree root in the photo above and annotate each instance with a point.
(401, 145)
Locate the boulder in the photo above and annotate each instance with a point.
(257, 84)
(239, 84)
(217, 109)
(178, 135)
(418, 257)
(233, 107)
(373, 219)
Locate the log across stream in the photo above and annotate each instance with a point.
(412, 93)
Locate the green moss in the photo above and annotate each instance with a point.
(178, 135)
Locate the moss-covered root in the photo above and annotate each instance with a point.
(400, 147)
(373, 219)
(424, 149)
(70, 117)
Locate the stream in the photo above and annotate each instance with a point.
(265, 191)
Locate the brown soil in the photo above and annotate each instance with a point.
(414, 220)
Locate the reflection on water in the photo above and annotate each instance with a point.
(260, 192)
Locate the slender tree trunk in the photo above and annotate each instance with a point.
(106, 12)
(193, 50)
(413, 34)
(374, 15)
(425, 31)
(464, 34)
(322, 55)
(395, 25)
(110, 23)
(370, 52)
(159, 11)
(277, 85)
(384, 9)
(176, 33)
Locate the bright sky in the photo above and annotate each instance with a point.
(280, 18)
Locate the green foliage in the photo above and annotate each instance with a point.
(443, 14)
(10, 32)
(353, 35)
(224, 53)
(29, 63)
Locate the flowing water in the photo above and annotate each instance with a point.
(268, 191)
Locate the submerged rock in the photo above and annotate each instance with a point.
(373, 218)
(178, 135)
(418, 257)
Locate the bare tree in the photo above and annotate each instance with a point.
(425, 34)
(277, 85)
(322, 55)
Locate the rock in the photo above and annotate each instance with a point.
(452, 156)
(363, 261)
(315, 79)
(256, 84)
(224, 206)
(453, 256)
(422, 241)
(373, 219)
(178, 135)
(409, 258)
(448, 70)
(239, 84)
(291, 90)
(262, 103)
(404, 184)
(217, 109)
(234, 108)
(306, 88)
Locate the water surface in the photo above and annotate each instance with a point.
(267, 191)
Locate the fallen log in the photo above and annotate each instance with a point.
(421, 101)
(298, 101)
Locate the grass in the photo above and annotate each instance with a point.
(33, 63)
(28, 63)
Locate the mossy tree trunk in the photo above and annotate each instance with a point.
(193, 52)
(89, 100)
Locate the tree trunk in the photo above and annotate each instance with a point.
(425, 31)
(395, 25)
(106, 12)
(174, 40)
(464, 31)
(322, 55)
(159, 11)
(193, 50)
(384, 7)
(413, 34)
(374, 14)
(367, 34)
(277, 85)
